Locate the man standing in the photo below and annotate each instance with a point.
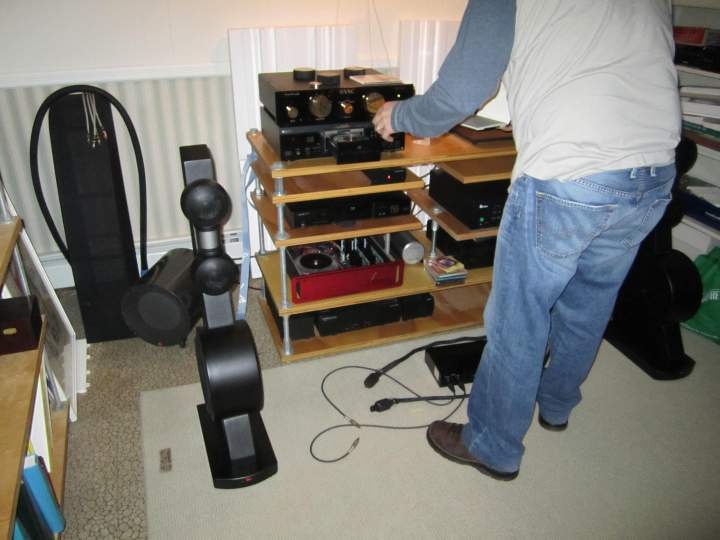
(593, 99)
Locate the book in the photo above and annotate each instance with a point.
(445, 269)
(708, 127)
(700, 101)
(375, 78)
(30, 516)
(19, 531)
(37, 480)
(41, 425)
(696, 35)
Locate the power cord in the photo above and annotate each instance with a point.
(372, 379)
(379, 406)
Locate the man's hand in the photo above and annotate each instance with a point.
(383, 120)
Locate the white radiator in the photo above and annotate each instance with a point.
(166, 114)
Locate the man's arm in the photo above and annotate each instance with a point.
(468, 77)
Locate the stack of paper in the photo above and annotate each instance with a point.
(445, 269)
(700, 101)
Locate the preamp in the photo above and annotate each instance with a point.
(308, 114)
(329, 97)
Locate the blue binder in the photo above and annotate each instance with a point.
(38, 483)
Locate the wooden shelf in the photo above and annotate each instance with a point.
(452, 225)
(18, 384)
(454, 309)
(415, 281)
(9, 233)
(329, 186)
(335, 231)
(471, 171)
(448, 147)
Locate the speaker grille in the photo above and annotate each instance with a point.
(156, 315)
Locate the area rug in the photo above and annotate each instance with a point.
(638, 460)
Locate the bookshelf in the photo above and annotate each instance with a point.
(19, 374)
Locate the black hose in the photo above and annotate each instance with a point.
(34, 139)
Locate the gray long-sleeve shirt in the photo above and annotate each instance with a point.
(470, 74)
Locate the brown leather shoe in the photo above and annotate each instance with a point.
(444, 438)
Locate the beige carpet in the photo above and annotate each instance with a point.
(639, 460)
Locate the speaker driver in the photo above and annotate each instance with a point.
(165, 305)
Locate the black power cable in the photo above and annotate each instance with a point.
(432, 400)
(373, 378)
(34, 140)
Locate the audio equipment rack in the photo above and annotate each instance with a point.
(277, 183)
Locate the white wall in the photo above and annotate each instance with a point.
(51, 41)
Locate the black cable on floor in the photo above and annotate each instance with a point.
(354, 424)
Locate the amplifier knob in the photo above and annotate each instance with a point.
(292, 112)
(320, 106)
(346, 107)
(373, 102)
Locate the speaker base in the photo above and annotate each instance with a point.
(657, 350)
(238, 449)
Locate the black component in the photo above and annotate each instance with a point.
(294, 103)
(355, 149)
(322, 212)
(417, 306)
(313, 141)
(345, 319)
(236, 442)
(20, 324)
(163, 307)
(455, 364)
(477, 205)
(386, 176)
(302, 325)
(100, 247)
(475, 253)
(706, 58)
(662, 288)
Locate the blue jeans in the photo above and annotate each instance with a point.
(563, 251)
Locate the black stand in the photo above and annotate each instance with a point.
(236, 442)
(233, 462)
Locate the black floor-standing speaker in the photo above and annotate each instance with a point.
(662, 289)
(94, 209)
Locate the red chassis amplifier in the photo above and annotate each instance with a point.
(330, 269)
